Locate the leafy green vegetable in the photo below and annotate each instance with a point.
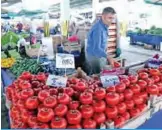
(3, 55)
(9, 37)
(14, 53)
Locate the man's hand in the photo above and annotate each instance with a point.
(110, 61)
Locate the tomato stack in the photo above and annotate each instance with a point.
(81, 104)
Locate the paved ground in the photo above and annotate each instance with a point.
(134, 53)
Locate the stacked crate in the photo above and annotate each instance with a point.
(112, 40)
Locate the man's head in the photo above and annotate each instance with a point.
(108, 14)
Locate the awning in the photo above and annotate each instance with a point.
(155, 2)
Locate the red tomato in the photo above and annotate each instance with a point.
(32, 121)
(126, 82)
(69, 91)
(154, 72)
(74, 117)
(24, 116)
(149, 81)
(53, 91)
(14, 112)
(35, 84)
(110, 89)
(137, 99)
(25, 85)
(156, 78)
(142, 84)
(26, 93)
(142, 107)
(40, 106)
(58, 123)
(112, 99)
(41, 125)
(135, 88)
(89, 124)
(120, 87)
(86, 98)
(117, 64)
(119, 121)
(86, 111)
(20, 124)
(60, 110)
(45, 87)
(121, 107)
(121, 97)
(99, 118)
(45, 115)
(9, 91)
(129, 104)
(133, 78)
(50, 102)
(143, 75)
(32, 103)
(126, 116)
(78, 126)
(41, 77)
(89, 90)
(74, 104)
(26, 75)
(143, 70)
(99, 106)
(144, 95)
(16, 95)
(80, 86)
(43, 94)
(100, 93)
(20, 104)
(74, 80)
(134, 112)
(37, 90)
(153, 90)
(128, 94)
(63, 98)
(159, 86)
(111, 112)
(160, 67)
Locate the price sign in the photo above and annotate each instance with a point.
(109, 80)
(56, 81)
(64, 61)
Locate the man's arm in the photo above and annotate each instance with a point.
(97, 38)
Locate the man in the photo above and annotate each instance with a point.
(96, 55)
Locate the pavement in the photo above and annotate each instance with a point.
(135, 53)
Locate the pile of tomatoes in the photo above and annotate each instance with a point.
(81, 104)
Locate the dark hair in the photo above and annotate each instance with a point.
(108, 10)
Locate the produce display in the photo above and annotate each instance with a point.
(25, 64)
(14, 53)
(82, 103)
(153, 31)
(7, 62)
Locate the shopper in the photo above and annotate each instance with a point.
(96, 55)
(19, 27)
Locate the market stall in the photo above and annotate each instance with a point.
(89, 95)
(151, 37)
